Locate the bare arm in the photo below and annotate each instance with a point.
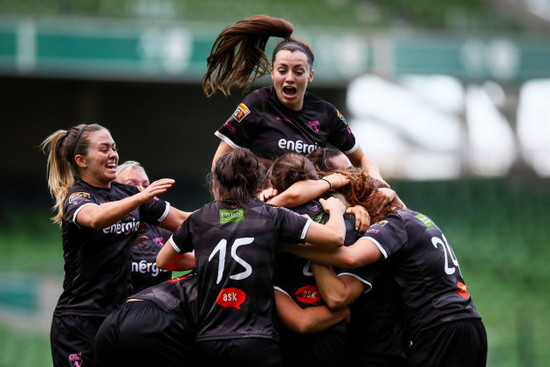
(304, 191)
(360, 160)
(362, 252)
(106, 214)
(337, 291)
(222, 149)
(169, 259)
(174, 219)
(307, 320)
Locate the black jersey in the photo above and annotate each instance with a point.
(235, 255)
(144, 256)
(424, 269)
(175, 296)
(265, 126)
(97, 276)
(293, 274)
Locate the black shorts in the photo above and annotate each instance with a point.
(72, 340)
(139, 333)
(461, 343)
(242, 352)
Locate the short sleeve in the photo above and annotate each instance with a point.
(340, 134)
(181, 240)
(389, 235)
(74, 202)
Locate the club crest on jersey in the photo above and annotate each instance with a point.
(314, 125)
(78, 196)
(75, 360)
(241, 112)
(231, 216)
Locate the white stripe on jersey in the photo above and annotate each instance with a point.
(306, 227)
(226, 139)
(384, 253)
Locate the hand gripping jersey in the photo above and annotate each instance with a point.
(235, 255)
(423, 268)
(97, 261)
(265, 126)
(144, 256)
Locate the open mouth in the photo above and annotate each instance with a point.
(289, 92)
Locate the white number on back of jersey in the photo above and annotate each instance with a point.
(221, 248)
(449, 254)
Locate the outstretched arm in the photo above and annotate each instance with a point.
(362, 252)
(103, 215)
(304, 191)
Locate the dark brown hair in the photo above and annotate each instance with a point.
(238, 54)
(290, 168)
(321, 158)
(237, 175)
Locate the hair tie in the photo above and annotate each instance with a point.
(80, 131)
(296, 45)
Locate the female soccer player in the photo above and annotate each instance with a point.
(328, 346)
(100, 219)
(234, 240)
(155, 327)
(279, 118)
(143, 267)
(443, 327)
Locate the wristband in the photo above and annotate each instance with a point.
(329, 184)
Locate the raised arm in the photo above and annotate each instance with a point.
(106, 214)
(307, 320)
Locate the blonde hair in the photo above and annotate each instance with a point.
(61, 147)
(126, 166)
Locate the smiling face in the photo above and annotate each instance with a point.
(98, 167)
(291, 74)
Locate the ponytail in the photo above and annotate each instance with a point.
(238, 54)
(61, 148)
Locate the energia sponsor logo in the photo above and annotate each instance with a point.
(123, 227)
(298, 146)
(231, 216)
(146, 267)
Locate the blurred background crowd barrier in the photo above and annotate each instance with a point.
(451, 100)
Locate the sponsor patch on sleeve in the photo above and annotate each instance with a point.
(77, 196)
(341, 116)
(241, 112)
